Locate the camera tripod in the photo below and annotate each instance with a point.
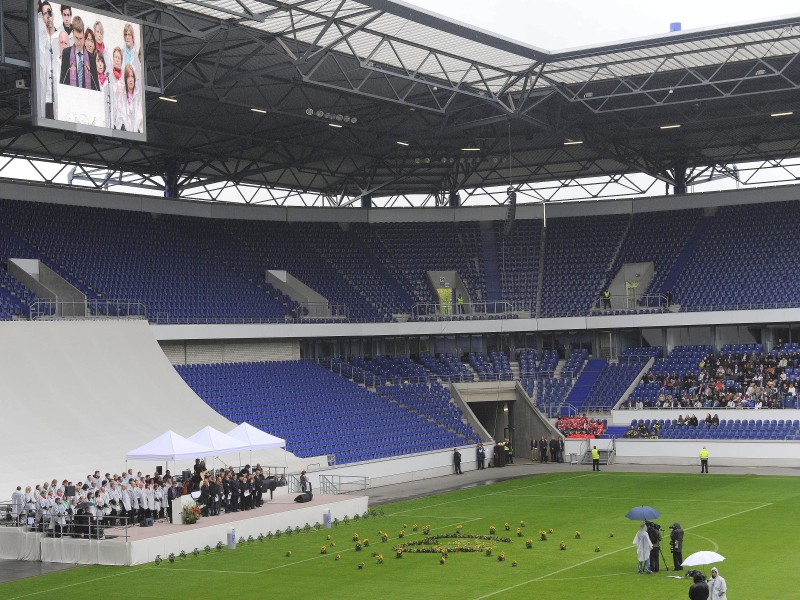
(661, 552)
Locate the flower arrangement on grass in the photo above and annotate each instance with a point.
(358, 546)
(488, 551)
(356, 517)
(196, 552)
(261, 537)
(401, 533)
(414, 527)
(365, 543)
(328, 537)
(513, 563)
(519, 531)
(250, 539)
(442, 560)
(219, 546)
(317, 525)
(335, 521)
(507, 526)
(207, 549)
(426, 529)
(190, 514)
(323, 550)
(306, 528)
(543, 535)
(522, 523)
(563, 545)
(578, 535)
(288, 553)
(459, 527)
(551, 530)
(355, 537)
(398, 553)
(597, 548)
(384, 536)
(492, 529)
(333, 544)
(529, 543)
(171, 557)
(501, 557)
(182, 555)
(610, 534)
(158, 559)
(337, 557)
(379, 559)
(360, 566)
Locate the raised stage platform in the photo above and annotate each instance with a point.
(145, 543)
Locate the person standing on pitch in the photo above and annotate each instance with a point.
(643, 548)
(676, 545)
(481, 456)
(704, 460)
(718, 589)
(595, 459)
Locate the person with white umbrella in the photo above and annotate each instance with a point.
(717, 586)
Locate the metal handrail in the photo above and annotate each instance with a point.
(44, 308)
(442, 311)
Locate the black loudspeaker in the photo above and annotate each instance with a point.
(186, 475)
(69, 491)
(511, 211)
(160, 470)
(268, 485)
(304, 497)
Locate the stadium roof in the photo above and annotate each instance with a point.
(343, 98)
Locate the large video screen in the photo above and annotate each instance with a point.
(87, 73)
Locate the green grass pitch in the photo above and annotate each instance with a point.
(749, 519)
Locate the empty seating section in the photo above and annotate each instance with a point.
(549, 392)
(321, 413)
(432, 401)
(188, 269)
(447, 367)
(518, 262)
(494, 368)
(410, 250)
(15, 298)
(136, 256)
(728, 429)
(533, 363)
(614, 379)
(747, 258)
(578, 253)
(643, 353)
(656, 237)
(395, 369)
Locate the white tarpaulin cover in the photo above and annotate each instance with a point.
(170, 446)
(221, 443)
(255, 438)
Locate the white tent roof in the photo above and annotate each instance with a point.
(170, 446)
(255, 438)
(221, 443)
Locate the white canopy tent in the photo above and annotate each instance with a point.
(170, 446)
(255, 438)
(221, 443)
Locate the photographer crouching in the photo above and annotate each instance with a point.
(699, 589)
(676, 545)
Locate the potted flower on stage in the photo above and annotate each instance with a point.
(190, 514)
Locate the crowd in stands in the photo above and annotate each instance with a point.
(580, 426)
(87, 507)
(728, 380)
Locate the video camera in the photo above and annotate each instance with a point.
(653, 524)
(694, 573)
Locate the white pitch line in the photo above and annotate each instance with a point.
(64, 587)
(503, 493)
(637, 499)
(580, 564)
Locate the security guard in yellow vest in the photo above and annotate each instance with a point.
(704, 460)
(595, 459)
(606, 300)
(460, 303)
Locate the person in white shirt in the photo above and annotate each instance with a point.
(18, 511)
(717, 586)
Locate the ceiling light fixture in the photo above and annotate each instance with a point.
(573, 142)
(259, 110)
(335, 125)
(676, 126)
(167, 99)
(782, 114)
(471, 149)
(402, 143)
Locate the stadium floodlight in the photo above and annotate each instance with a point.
(402, 143)
(339, 117)
(259, 110)
(320, 113)
(347, 118)
(335, 125)
(470, 149)
(674, 126)
(782, 114)
(572, 142)
(310, 112)
(167, 99)
(353, 120)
